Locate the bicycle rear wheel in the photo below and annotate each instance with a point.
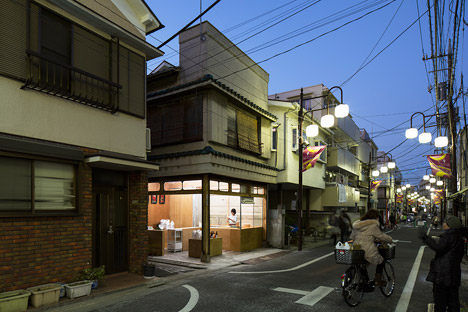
(388, 275)
(352, 290)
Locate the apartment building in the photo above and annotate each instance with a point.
(72, 138)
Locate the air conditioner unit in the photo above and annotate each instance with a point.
(148, 139)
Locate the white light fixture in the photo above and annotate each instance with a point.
(375, 173)
(411, 133)
(408, 185)
(398, 190)
(441, 141)
(409, 196)
(426, 177)
(432, 189)
(391, 165)
(341, 111)
(432, 180)
(425, 137)
(428, 187)
(403, 188)
(440, 183)
(312, 131)
(327, 121)
(384, 169)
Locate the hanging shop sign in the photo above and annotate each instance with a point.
(440, 165)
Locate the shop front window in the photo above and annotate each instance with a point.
(192, 185)
(173, 186)
(214, 185)
(154, 187)
(224, 187)
(258, 190)
(235, 188)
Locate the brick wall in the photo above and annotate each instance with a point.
(138, 221)
(39, 250)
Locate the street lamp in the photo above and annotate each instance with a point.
(408, 185)
(440, 183)
(428, 187)
(375, 173)
(426, 177)
(326, 121)
(425, 137)
(384, 169)
(441, 141)
(432, 180)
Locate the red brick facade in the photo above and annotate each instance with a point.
(39, 250)
(138, 221)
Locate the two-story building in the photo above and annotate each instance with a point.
(211, 134)
(72, 138)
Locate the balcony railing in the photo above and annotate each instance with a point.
(245, 143)
(71, 83)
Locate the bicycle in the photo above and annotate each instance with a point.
(355, 281)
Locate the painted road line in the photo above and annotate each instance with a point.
(315, 296)
(193, 299)
(405, 297)
(292, 291)
(401, 241)
(309, 298)
(287, 270)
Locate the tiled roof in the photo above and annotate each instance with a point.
(209, 150)
(208, 78)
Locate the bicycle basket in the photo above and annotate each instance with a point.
(387, 252)
(347, 256)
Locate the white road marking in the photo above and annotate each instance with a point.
(315, 296)
(193, 299)
(292, 291)
(287, 270)
(405, 297)
(401, 241)
(310, 298)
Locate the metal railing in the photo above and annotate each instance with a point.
(245, 143)
(63, 80)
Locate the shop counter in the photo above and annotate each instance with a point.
(156, 242)
(236, 239)
(195, 247)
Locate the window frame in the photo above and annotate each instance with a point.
(274, 139)
(44, 213)
(294, 139)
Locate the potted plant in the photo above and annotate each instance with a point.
(94, 275)
(78, 289)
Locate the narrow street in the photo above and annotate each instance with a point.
(299, 281)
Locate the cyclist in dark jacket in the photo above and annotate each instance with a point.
(445, 272)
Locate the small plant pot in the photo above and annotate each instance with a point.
(14, 301)
(78, 289)
(44, 294)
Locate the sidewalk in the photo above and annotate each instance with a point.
(116, 286)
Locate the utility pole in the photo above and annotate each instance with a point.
(452, 187)
(299, 193)
(369, 182)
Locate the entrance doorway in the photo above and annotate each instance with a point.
(111, 222)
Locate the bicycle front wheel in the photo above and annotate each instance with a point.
(352, 290)
(388, 275)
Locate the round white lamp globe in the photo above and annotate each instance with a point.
(411, 133)
(327, 121)
(341, 111)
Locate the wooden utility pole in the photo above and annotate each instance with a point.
(452, 187)
(299, 192)
(369, 181)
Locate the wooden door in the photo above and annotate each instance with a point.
(111, 228)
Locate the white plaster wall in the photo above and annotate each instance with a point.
(41, 116)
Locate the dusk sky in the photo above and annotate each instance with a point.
(381, 96)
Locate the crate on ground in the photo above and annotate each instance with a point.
(349, 256)
(387, 252)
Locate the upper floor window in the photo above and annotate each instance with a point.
(177, 121)
(67, 60)
(274, 138)
(34, 186)
(243, 131)
(323, 156)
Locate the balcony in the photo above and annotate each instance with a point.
(338, 195)
(71, 83)
(342, 159)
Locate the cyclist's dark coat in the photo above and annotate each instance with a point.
(445, 267)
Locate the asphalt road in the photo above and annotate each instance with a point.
(293, 282)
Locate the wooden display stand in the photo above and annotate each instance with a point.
(195, 247)
(156, 242)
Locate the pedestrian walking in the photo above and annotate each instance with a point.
(392, 221)
(445, 271)
(344, 223)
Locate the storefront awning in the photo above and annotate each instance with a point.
(458, 193)
(114, 163)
